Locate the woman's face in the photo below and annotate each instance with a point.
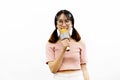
(63, 22)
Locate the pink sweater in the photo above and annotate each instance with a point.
(72, 59)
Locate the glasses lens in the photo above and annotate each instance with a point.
(60, 22)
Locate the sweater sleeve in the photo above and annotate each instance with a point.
(50, 56)
(83, 56)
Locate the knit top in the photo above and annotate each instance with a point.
(72, 59)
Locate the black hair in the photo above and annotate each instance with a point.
(54, 36)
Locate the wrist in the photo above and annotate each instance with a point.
(66, 48)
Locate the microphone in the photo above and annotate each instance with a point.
(65, 35)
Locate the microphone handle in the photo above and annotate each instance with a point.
(65, 35)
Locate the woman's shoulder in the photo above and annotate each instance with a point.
(82, 43)
(51, 44)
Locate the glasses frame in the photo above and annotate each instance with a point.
(60, 22)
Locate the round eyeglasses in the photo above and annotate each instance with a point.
(60, 22)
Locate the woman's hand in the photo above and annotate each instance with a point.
(65, 43)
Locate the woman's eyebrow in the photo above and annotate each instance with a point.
(64, 19)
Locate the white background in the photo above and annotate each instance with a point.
(25, 27)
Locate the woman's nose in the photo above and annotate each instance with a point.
(64, 24)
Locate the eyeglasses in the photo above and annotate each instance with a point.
(60, 22)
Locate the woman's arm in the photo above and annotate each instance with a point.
(54, 65)
(85, 72)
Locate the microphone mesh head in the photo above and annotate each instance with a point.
(64, 34)
(63, 30)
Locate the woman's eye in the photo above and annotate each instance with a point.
(60, 21)
(66, 21)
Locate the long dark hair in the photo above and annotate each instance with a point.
(54, 36)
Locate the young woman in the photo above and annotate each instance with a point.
(64, 64)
